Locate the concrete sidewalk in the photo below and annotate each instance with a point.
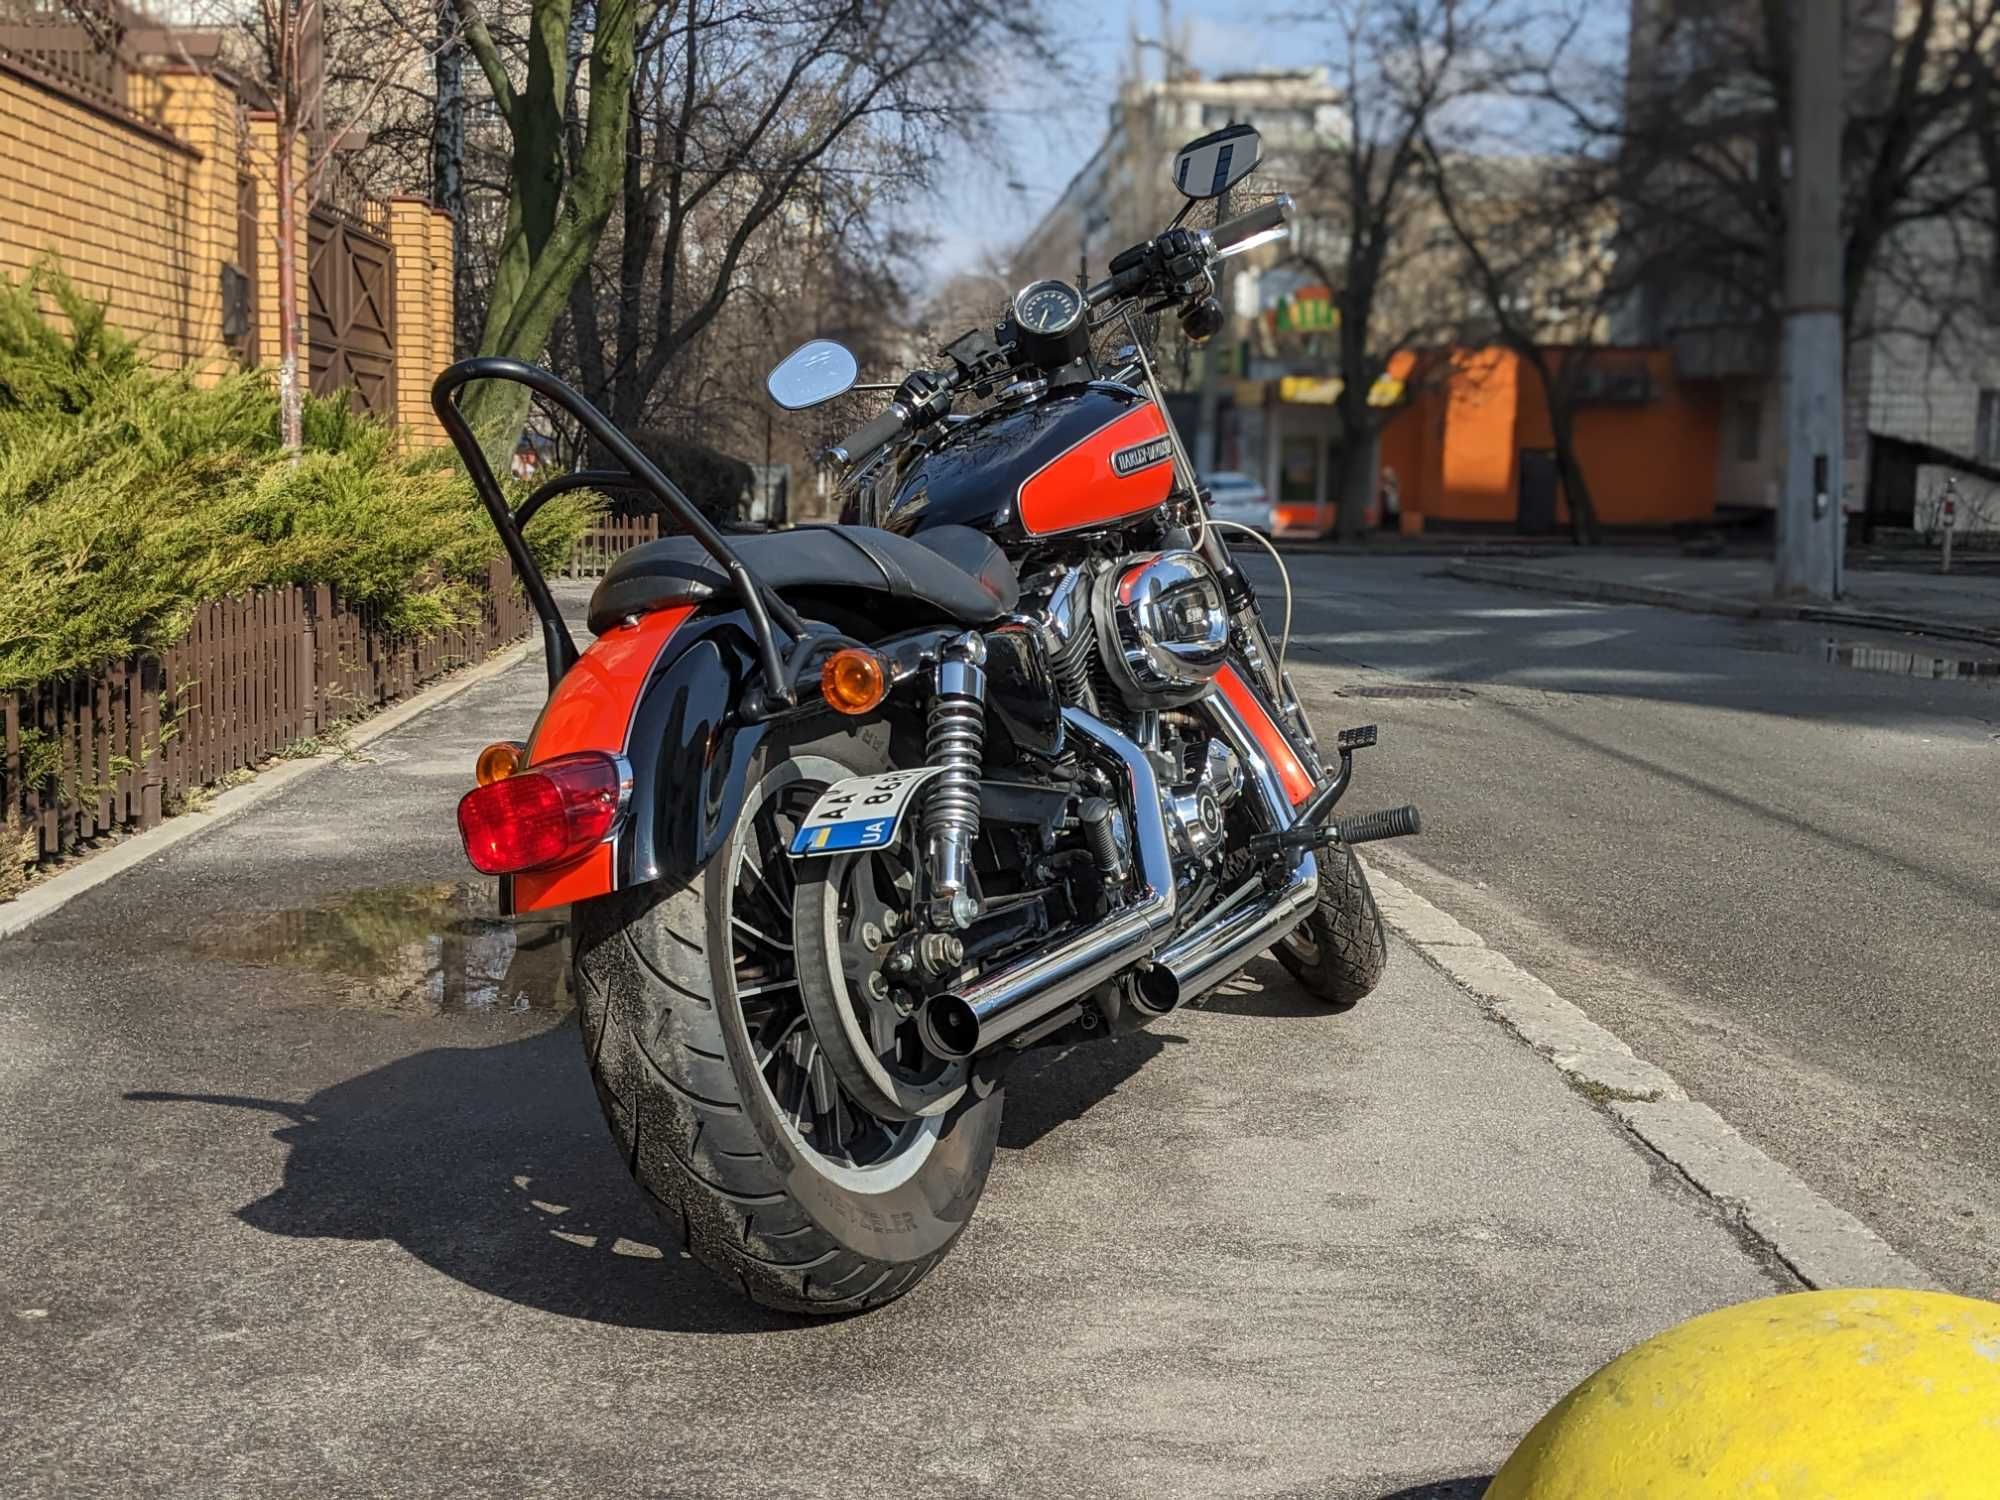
(310, 1195)
(1960, 606)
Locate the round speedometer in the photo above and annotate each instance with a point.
(1049, 330)
(1048, 307)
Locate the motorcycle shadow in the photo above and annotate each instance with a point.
(492, 1165)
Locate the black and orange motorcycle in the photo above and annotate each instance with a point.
(846, 817)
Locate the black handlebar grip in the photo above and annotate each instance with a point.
(1132, 255)
(1396, 823)
(890, 425)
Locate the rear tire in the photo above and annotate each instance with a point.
(681, 1031)
(1338, 953)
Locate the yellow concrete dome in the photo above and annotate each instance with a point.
(1847, 1395)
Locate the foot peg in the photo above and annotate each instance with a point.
(1395, 823)
(1355, 739)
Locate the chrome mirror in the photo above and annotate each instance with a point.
(816, 371)
(1209, 167)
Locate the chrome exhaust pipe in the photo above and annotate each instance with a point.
(1200, 959)
(980, 1015)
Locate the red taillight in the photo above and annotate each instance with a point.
(541, 815)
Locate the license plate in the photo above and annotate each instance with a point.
(861, 812)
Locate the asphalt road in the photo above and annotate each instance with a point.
(308, 1195)
(1774, 872)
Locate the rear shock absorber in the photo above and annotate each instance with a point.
(956, 741)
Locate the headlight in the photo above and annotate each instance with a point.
(1166, 630)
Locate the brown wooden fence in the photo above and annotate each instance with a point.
(608, 536)
(118, 749)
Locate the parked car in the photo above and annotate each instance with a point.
(1239, 498)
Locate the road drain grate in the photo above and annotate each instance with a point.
(1408, 690)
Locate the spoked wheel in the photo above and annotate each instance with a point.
(774, 1112)
(836, 1046)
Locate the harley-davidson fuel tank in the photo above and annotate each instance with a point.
(1070, 459)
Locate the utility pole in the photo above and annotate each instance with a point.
(1808, 559)
(1207, 440)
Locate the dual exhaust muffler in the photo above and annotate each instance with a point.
(981, 1014)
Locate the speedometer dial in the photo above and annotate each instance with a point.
(1048, 307)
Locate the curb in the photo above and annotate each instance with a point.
(46, 896)
(1542, 581)
(1823, 1245)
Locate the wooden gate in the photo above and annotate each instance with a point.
(352, 280)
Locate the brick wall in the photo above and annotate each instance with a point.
(138, 206)
(122, 204)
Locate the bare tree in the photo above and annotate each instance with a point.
(1700, 131)
(1406, 69)
(1535, 238)
(759, 148)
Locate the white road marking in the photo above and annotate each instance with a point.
(1824, 1245)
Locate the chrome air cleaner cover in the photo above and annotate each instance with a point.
(1163, 626)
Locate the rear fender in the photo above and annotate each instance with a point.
(659, 692)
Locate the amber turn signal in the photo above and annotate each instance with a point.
(853, 680)
(498, 761)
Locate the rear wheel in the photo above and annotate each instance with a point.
(1339, 952)
(813, 1187)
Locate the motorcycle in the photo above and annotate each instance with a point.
(847, 817)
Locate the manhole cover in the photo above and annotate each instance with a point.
(1407, 690)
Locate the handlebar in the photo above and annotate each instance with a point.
(893, 422)
(1170, 264)
(1264, 223)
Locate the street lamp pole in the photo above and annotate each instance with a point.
(1808, 555)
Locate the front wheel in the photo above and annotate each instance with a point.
(788, 1175)
(1338, 953)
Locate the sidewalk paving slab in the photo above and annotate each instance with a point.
(273, 1234)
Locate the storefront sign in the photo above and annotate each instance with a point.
(1310, 390)
(1308, 310)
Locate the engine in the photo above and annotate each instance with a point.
(1134, 641)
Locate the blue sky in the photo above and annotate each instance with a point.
(1047, 131)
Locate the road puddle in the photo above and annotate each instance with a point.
(1897, 662)
(437, 949)
(1867, 656)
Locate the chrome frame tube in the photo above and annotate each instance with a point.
(1198, 960)
(978, 1016)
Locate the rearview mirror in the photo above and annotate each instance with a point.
(816, 371)
(1209, 167)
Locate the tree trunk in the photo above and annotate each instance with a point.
(1557, 394)
(291, 401)
(448, 141)
(554, 217)
(1357, 485)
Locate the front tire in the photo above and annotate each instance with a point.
(713, 1083)
(1339, 952)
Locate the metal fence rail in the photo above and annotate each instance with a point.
(608, 536)
(115, 750)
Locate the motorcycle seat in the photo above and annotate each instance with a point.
(948, 572)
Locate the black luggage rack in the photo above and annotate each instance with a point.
(640, 475)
